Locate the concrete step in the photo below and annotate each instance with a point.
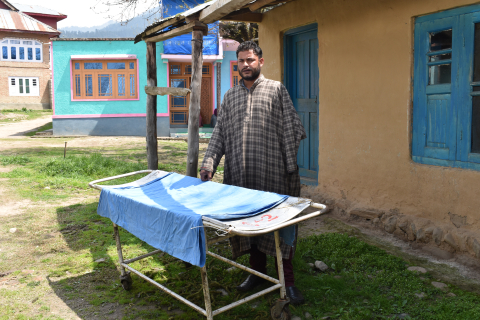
(48, 132)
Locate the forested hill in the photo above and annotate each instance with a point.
(112, 29)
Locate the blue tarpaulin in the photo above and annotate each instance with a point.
(183, 44)
(167, 212)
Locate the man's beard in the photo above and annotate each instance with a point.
(253, 76)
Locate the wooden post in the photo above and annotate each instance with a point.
(194, 109)
(219, 85)
(152, 144)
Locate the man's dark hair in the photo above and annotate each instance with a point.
(250, 45)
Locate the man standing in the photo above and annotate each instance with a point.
(259, 132)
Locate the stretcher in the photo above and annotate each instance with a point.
(283, 215)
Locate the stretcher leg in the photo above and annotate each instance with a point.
(206, 293)
(280, 310)
(125, 278)
(281, 277)
(206, 289)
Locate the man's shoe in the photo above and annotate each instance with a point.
(295, 295)
(251, 282)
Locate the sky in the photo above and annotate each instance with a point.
(83, 13)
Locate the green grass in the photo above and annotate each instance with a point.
(48, 126)
(65, 244)
(14, 115)
(365, 282)
(45, 177)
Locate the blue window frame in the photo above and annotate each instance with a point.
(446, 99)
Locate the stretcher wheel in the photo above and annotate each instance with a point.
(280, 310)
(126, 281)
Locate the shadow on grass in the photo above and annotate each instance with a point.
(88, 280)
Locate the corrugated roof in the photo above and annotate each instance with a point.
(11, 20)
(36, 9)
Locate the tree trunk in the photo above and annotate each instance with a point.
(194, 109)
(152, 144)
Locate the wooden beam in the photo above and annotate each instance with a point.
(219, 85)
(193, 17)
(163, 25)
(244, 17)
(258, 4)
(162, 91)
(178, 31)
(220, 8)
(151, 135)
(194, 108)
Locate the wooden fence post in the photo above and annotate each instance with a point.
(194, 109)
(151, 137)
(219, 85)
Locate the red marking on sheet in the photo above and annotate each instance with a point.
(270, 218)
(246, 223)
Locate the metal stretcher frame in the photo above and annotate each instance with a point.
(280, 308)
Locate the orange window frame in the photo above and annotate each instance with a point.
(103, 83)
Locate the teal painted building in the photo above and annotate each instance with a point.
(98, 86)
(96, 93)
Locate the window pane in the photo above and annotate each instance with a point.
(476, 52)
(29, 43)
(178, 83)
(77, 65)
(20, 83)
(27, 86)
(34, 82)
(439, 57)
(441, 40)
(13, 81)
(476, 124)
(115, 65)
(175, 69)
(235, 80)
(188, 69)
(5, 52)
(132, 65)
(22, 53)
(88, 85)
(30, 53)
(5, 41)
(37, 54)
(77, 86)
(13, 53)
(179, 117)
(37, 43)
(179, 102)
(92, 65)
(440, 74)
(15, 41)
(235, 67)
(132, 85)
(104, 85)
(121, 85)
(206, 69)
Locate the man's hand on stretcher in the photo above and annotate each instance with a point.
(205, 175)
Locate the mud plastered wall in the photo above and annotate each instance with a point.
(365, 113)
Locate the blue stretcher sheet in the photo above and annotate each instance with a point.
(167, 212)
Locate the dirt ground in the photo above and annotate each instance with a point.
(460, 270)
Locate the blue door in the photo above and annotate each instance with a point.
(301, 80)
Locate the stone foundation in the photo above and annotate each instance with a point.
(452, 237)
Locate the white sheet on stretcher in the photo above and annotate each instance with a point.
(285, 211)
